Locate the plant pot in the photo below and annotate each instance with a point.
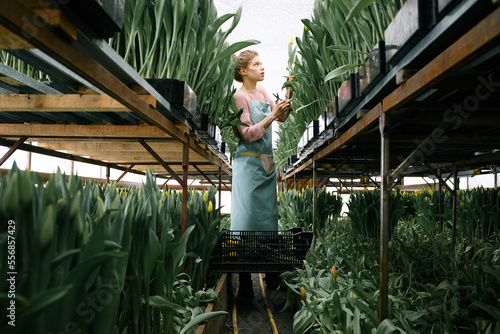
(348, 93)
(313, 130)
(302, 142)
(206, 130)
(332, 112)
(178, 94)
(373, 68)
(104, 17)
(443, 7)
(322, 122)
(407, 28)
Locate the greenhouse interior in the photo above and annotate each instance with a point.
(119, 136)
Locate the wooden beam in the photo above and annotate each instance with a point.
(167, 156)
(160, 160)
(56, 19)
(12, 150)
(65, 103)
(125, 172)
(209, 156)
(81, 131)
(137, 160)
(9, 40)
(61, 155)
(167, 146)
(209, 180)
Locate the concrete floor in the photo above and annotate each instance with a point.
(252, 313)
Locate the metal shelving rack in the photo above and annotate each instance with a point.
(97, 110)
(435, 112)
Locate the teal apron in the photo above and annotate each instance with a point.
(254, 206)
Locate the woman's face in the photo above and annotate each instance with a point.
(255, 71)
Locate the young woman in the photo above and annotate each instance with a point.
(254, 204)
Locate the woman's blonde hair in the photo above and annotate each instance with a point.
(244, 61)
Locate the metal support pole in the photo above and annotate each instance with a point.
(384, 217)
(315, 178)
(440, 201)
(220, 189)
(454, 209)
(185, 169)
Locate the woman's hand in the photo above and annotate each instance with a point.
(281, 107)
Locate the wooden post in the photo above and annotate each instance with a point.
(108, 174)
(384, 217)
(185, 169)
(12, 149)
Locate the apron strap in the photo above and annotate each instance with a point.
(248, 96)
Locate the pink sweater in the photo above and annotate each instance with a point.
(254, 131)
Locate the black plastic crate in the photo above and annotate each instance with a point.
(372, 69)
(260, 251)
(407, 28)
(104, 17)
(178, 94)
(348, 94)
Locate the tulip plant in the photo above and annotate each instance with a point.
(432, 286)
(334, 42)
(101, 259)
(183, 39)
(296, 206)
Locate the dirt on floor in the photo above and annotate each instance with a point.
(252, 312)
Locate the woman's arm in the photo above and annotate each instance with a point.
(256, 131)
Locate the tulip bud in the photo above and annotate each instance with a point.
(210, 207)
(303, 293)
(291, 41)
(334, 272)
(205, 196)
(47, 223)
